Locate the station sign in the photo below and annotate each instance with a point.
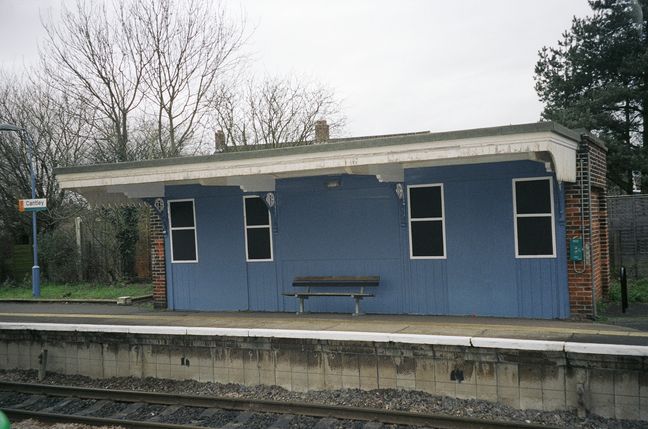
(32, 205)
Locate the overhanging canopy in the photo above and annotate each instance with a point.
(386, 157)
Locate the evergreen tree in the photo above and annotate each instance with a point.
(597, 79)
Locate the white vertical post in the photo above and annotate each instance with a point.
(77, 227)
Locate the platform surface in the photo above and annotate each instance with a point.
(490, 327)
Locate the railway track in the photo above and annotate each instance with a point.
(135, 409)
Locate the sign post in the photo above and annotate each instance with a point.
(32, 173)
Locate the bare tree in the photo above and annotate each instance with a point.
(191, 46)
(274, 111)
(61, 134)
(91, 55)
(158, 70)
(143, 62)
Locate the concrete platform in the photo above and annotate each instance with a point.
(481, 327)
(536, 364)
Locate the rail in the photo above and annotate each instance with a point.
(71, 393)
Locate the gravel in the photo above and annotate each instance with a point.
(12, 400)
(183, 414)
(218, 419)
(75, 406)
(260, 420)
(389, 399)
(34, 424)
(147, 412)
(110, 409)
(300, 422)
(350, 424)
(43, 403)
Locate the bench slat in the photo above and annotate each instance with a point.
(310, 282)
(327, 294)
(339, 281)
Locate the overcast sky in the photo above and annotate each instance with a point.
(398, 66)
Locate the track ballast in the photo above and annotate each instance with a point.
(136, 409)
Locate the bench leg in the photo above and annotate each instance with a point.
(357, 305)
(301, 305)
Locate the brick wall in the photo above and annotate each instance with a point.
(143, 246)
(590, 198)
(158, 261)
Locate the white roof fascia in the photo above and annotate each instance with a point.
(101, 197)
(561, 149)
(142, 190)
(256, 183)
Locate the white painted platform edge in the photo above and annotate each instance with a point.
(606, 349)
(518, 344)
(380, 337)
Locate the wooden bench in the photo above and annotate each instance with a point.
(348, 282)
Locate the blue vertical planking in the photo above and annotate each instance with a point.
(483, 275)
(480, 245)
(352, 229)
(262, 285)
(218, 281)
(357, 228)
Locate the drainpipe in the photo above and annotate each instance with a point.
(582, 214)
(591, 251)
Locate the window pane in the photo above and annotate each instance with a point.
(184, 245)
(427, 238)
(182, 214)
(425, 202)
(533, 196)
(534, 236)
(256, 212)
(258, 242)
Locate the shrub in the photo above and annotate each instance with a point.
(58, 256)
(637, 291)
(5, 254)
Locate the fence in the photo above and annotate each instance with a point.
(101, 245)
(102, 236)
(628, 229)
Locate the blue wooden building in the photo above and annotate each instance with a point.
(470, 222)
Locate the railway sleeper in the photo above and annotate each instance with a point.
(149, 411)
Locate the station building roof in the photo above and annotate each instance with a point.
(385, 156)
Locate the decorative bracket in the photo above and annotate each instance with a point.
(270, 201)
(159, 205)
(401, 194)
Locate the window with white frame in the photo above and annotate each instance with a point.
(258, 229)
(426, 221)
(182, 221)
(534, 218)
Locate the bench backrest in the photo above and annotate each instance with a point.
(336, 281)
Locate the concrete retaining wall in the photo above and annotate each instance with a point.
(607, 385)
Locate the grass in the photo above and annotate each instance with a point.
(76, 291)
(637, 291)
